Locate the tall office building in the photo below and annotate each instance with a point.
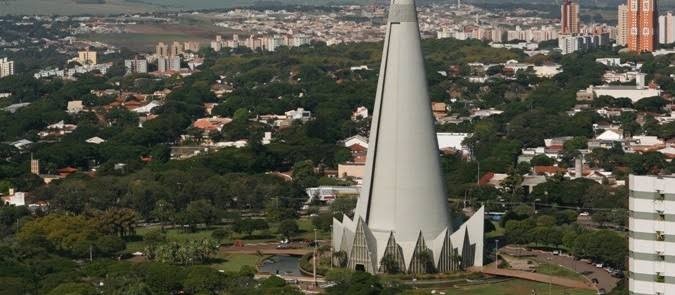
(651, 256)
(667, 28)
(6, 67)
(402, 215)
(622, 26)
(161, 50)
(569, 20)
(642, 20)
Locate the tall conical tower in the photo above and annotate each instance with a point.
(402, 213)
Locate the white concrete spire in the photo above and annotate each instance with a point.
(404, 190)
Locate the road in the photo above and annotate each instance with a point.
(605, 280)
(267, 249)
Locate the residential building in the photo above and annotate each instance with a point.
(211, 124)
(136, 66)
(176, 49)
(642, 25)
(635, 93)
(6, 67)
(57, 130)
(569, 21)
(360, 113)
(168, 64)
(651, 204)
(161, 50)
(34, 166)
(667, 28)
(14, 198)
(299, 114)
(273, 42)
(573, 43)
(74, 107)
(216, 46)
(622, 25)
(86, 57)
(191, 46)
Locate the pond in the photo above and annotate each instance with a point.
(282, 265)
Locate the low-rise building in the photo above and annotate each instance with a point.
(74, 107)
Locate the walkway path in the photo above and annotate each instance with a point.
(604, 278)
(537, 277)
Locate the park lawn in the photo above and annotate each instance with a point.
(510, 287)
(234, 262)
(172, 234)
(558, 271)
(179, 235)
(307, 230)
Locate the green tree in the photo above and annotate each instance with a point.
(202, 279)
(163, 212)
(304, 174)
(221, 234)
(288, 228)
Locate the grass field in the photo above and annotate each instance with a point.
(179, 235)
(558, 271)
(144, 37)
(510, 287)
(235, 262)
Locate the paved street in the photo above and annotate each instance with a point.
(605, 280)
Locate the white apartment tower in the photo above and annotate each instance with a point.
(651, 241)
(136, 66)
(6, 67)
(401, 218)
(168, 64)
(667, 28)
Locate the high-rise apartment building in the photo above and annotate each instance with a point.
(161, 49)
(6, 67)
(667, 28)
(168, 64)
(136, 66)
(642, 19)
(651, 256)
(176, 49)
(87, 57)
(569, 20)
(34, 166)
(192, 46)
(622, 26)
